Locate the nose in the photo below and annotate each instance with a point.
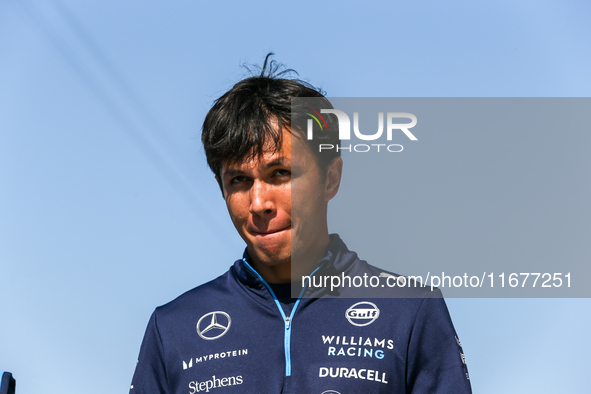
(261, 199)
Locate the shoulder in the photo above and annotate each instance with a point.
(200, 298)
(346, 275)
(365, 280)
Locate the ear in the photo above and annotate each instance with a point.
(221, 185)
(333, 178)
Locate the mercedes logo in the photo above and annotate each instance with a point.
(214, 327)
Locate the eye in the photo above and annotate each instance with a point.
(283, 172)
(238, 179)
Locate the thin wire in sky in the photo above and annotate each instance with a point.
(188, 192)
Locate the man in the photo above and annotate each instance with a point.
(243, 332)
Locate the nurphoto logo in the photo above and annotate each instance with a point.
(344, 126)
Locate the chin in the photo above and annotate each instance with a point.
(271, 255)
(272, 247)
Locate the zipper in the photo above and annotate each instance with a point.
(286, 319)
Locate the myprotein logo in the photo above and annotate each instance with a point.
(213, 325)
(362, 313)
(188, 365)
(214, 356)
(394, 122)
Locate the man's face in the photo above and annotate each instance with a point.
(259, 193)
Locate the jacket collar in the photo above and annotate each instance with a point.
(338, 259)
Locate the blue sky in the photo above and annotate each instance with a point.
(107, 208)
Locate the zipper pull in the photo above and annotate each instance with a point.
(287, 322)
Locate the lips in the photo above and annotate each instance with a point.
(272, 231)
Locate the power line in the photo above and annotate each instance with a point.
(175, 179)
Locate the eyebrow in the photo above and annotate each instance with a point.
(280, 161)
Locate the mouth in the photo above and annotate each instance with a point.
(271, 232)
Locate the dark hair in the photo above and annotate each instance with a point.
(247, 120)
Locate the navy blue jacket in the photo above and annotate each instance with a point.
(232, 335)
